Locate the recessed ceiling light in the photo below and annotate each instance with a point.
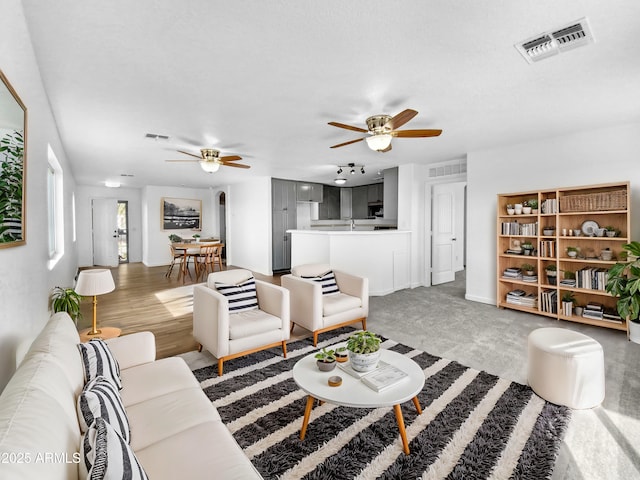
(340, 181)
(110, 184)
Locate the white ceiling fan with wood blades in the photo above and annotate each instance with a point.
(381, 129)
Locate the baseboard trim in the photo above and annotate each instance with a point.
(474, 298)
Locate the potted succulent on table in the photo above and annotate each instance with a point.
(552, 274)
(66, 300)
(624, 283)
(173, 238)
(326, 360)
(196, 236)
(364, 350)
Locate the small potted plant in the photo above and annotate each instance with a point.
(510, 209)
(552, 274)
(342, 354)
(66, 300)
(533, 203)
(611, 231)
(326, 360)
(527, 268)
(173, 238)
(196, 236)
(549, 231)
(572, 252)
(527, 247)
(364, 350)
(526, 208)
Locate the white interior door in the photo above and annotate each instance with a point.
(444, 237)
(104, 213)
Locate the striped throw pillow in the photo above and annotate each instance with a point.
(100, 398)
(242, 297)
(105, 455)
(328, 282)
(98, 360)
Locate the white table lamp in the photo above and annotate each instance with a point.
(94, 282)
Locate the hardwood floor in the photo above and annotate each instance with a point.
(144, 299)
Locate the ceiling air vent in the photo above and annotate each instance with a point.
(576, 34)
(155, 136)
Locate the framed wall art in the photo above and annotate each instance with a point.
(181, 214)
(13, 161)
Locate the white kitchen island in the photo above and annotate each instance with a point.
(383, 256)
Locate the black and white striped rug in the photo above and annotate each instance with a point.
(474, 425)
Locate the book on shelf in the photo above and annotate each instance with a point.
(383, 378)
(530, 278)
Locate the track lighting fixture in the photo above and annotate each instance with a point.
(362, 170)
(339, 170)
(351, 167)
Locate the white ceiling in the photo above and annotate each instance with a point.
(262, 78)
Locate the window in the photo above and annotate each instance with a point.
(55, 210)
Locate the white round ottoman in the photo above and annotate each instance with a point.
(566, 367)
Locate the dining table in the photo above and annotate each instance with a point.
(191, 249)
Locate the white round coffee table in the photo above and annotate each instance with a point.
(354, 393)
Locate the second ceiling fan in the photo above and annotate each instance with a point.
(382, 128)
(210, 160)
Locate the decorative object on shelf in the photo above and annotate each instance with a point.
(526, 208)
(576, 232)
(364, 350)
(533, 203)
(92, 283)
(572, 252)
(518, 208)
(528, 248)
(610, 231)
(510, 209)
(66, 300)
(549, 231)
(579, 309)
(567, 303)
(606, 255)
(326, 360)
(624, 283)
(552, 274)
(342, 354)
(528, 268)
(589, 228)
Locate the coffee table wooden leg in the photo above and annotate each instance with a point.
(416, 402)
(307, 413)
(403, 432)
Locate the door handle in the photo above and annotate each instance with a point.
(453, 239)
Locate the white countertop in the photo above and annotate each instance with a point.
(349, 232)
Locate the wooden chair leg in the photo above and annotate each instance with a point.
(220, 363)
(284, 348)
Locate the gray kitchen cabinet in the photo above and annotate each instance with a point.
(329, 209)
(308, 192)
(359, 201)
(375, 193)
(283, 217)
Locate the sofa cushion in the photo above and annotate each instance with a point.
(100, 398)
(339, 303)
(98, 360)
(166, 415)
(254, 322)
(328, 282)
(241, 297)
(151, 380)
(105, 455)
(203, 452)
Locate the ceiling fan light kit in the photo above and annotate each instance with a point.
(210, 160)
(340, 181)
(209, 166)
(379, 142)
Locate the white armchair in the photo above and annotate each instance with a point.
(319, 313)
(230, 335)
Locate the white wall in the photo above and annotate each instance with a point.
(249, 225)
(84, 196)
(25, 282)
(155, 241)
(599, 156)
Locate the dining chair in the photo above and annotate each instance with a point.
(209, 257)
(177, 257)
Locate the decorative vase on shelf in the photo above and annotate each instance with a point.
(511, 211)
(526, 210)
(518, 208)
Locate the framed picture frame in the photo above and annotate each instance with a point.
(181, 214)
(13, 166)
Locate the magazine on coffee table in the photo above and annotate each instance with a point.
(385, 377)
(346, 366)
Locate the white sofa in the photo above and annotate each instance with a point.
(175, 430)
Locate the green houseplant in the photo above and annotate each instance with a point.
(527, 268)
(326, 360)
(342, 354)
(624, 283)
(173, 238)
(552, 274)
(364, 350)
(66, 300)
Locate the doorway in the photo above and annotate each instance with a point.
(123, 231)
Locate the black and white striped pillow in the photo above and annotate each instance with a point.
(105, 455)
(98, 360)
(328, 283)
(100, 398)
(242, 297)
